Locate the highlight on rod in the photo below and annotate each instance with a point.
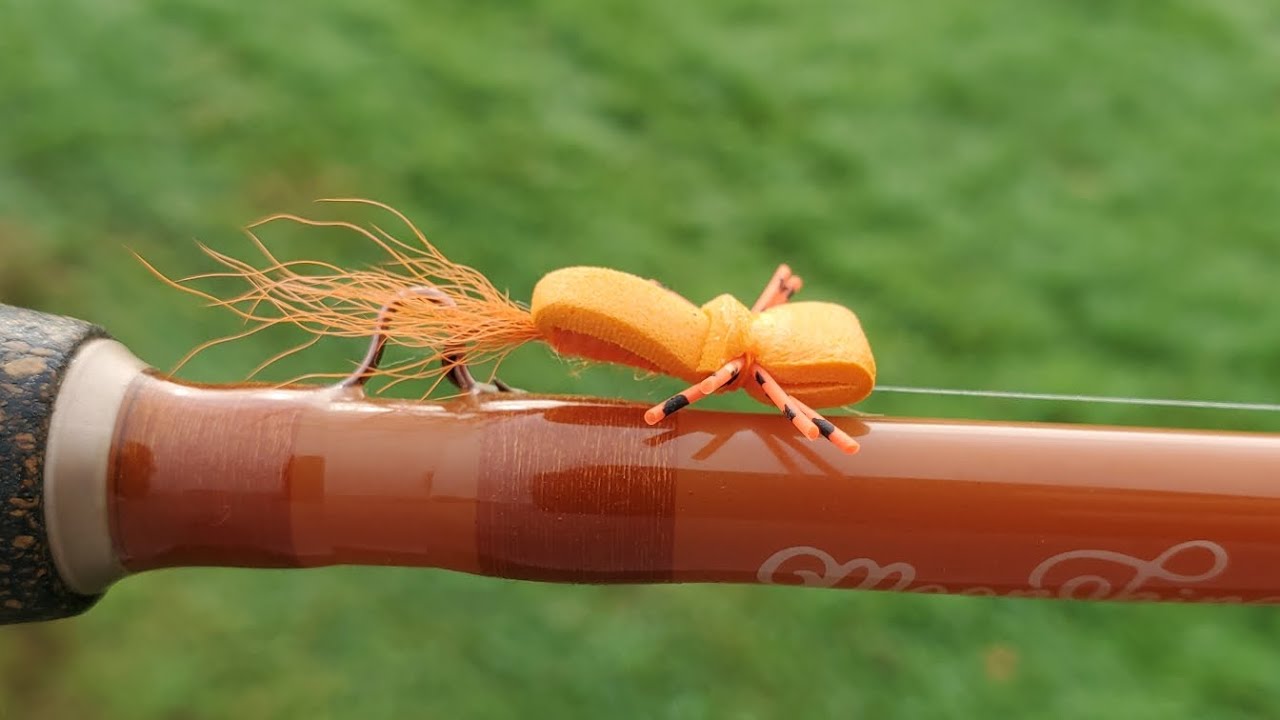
(793, 356)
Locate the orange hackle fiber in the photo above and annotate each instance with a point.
(326, 300)
(790, 355)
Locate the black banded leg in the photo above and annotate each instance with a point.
(692, 394)
(828, 430)
(785, 403)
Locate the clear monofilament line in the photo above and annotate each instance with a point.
(1052, 397)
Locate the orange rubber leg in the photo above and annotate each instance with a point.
(696, 392)
(779, 290)
(785, 403)
(838, 437)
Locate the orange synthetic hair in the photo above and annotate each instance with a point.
(482, 323)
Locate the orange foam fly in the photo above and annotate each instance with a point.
(794, 356)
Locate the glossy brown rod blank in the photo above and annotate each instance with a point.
(584, 491)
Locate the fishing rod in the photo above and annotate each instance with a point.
(109, 469)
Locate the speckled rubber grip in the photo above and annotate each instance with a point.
(35, 349)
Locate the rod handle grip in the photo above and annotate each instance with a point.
(35, 351)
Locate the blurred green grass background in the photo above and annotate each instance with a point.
(1061, 197)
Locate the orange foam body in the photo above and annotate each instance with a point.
(817, 351)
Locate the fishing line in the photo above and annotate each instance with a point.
(1052, 397)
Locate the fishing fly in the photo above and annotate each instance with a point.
(795, 356)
